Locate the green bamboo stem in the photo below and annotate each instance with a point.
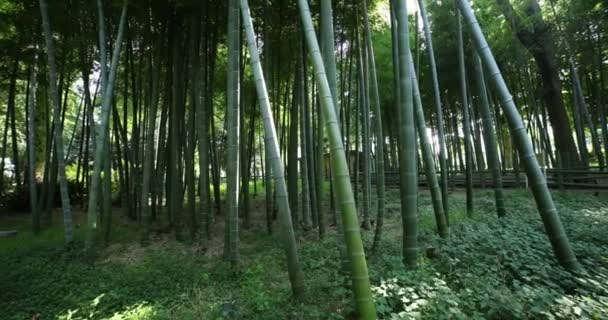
(427, 155)
(344, 193)
(438, 108)
(468, 148)
(380, 183)
(489, 136)
(31, 141)
(232, 126)
(58, 130)
(103, 129)
(538, 184)
(272, 147)
(407, 140)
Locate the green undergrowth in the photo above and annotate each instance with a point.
(503, 269)
(486, 269)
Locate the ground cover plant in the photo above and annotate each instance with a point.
(487, 268)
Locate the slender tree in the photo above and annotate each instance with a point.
(306, 212)
(270, 139)
(438, 108)
(579, 101)
(548, 212)
(202, 122)
(407, 139)
(365, 132)
(380, 175)
(292, 149)
(468, 149)
(12, 92)
(4, 145)
(176, 138)
(148, 161)
(58, 130)
(344, 193)
(232, 126)
(327, 51)
(427, 155)
(534, 33)
(100, 148)
(31, 142)
(489, 136)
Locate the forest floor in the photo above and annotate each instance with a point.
(486, 269)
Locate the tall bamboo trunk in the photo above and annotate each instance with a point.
(52, 73)
(548, 212)
(427, 155)
(100, 148)
(270, 138)
(344, 193)
(148, 160)
(292, 158)
(438, 108)
(407, 139)
(489, 136)
(584, 115)
(365, 124)
(12, 91)
(232, 122)
(31, 141)
(327, 51)
(468, 149)
(379, 133)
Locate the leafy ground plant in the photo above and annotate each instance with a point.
(504, 269)
(486, 269)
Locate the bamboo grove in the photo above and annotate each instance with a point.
(176, 114)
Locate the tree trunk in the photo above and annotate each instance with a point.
(407, 139)
(100, 148)
(489, 136)
(533, 32)
(466, 122)
(31, 136)
(427, 155)
(65, 197)
(232, 121)
(12, 112)
(380, 176)
(548, 212)
(344, 193)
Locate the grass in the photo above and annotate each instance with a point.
(486, 269)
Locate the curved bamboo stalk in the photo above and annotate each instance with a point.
(344, 193)
(272, 146)
(538, 184)
(438, 109)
